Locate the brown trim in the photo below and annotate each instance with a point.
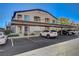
(28, 24)
(32, 23)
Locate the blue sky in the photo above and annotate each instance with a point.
(57, 9)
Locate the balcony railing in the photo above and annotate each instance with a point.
(32, 23)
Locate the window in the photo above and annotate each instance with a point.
(26, 17)
(46, 20)
(53, 21)
(13, 29)
(19, 16)
(0, 34)
(45, 31)
(37, 18)
(53, 30)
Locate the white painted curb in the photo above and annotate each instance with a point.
(22, 37)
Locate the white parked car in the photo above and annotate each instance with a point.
(74, 32)
(49, 33)
(3, 38)
(78, 31)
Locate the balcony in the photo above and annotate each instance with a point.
(32, 23)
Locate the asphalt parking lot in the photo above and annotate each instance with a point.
(24, 44)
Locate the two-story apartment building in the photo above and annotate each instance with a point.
(34, 20)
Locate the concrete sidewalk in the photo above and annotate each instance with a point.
(67, 48)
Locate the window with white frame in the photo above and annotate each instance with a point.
(13, 29)
(19, 16)
(47, 20)
(37, 18)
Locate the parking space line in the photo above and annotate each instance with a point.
(12, 43)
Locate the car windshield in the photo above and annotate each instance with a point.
(45, 31)
(0, 34)
(53, 31)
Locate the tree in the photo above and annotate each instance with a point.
(64, 21)
(7, 31)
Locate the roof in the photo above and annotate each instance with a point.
(1, 28)
(33, 10)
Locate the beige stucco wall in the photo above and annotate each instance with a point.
(42, 15)
(36, 28)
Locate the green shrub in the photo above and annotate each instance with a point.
(13, 35)
(32, 34)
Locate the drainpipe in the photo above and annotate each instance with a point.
(61, 30)
(61, 27)
(28, 32)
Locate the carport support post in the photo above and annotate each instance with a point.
(61, 30)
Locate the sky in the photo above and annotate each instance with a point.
(59, 10)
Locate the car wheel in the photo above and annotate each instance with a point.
(48, 36)
(73, 33)
(69, 34)
(55, 37)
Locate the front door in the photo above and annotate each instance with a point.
(26, 30)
